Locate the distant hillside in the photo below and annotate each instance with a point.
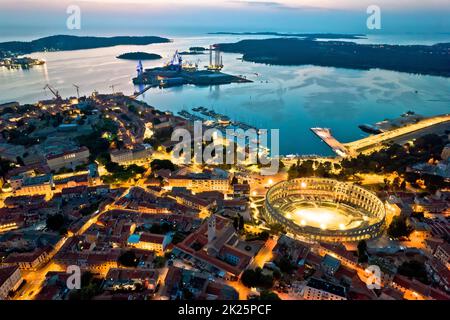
(310, 36)
(139, 56)
(426, 60)
(64, 42)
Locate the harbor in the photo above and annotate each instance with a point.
(215, 120)
(405, 119)
(409, 131)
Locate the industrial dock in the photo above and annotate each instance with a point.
(177, 73)
(20, 63)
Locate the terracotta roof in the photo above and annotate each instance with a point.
(24, 257)
(152, 238)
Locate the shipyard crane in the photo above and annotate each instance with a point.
(78, 90)
(53, 91)
(112, 88)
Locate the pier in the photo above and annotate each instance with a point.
(332, 142)
(375, 142)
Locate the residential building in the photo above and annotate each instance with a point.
(41, 185)
(138, 155)
(150, 241)
(330, 265)
(28, 261)
(317, 289)
(199, 182)
(10, 280)
(442, 253)
(68, 159)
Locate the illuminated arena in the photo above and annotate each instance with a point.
(325, 210)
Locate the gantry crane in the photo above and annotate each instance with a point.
(53, 91)
(78, 90)
(112, 88)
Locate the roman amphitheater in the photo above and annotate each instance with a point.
(325, 210)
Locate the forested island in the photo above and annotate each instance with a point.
(194, 51)
(191, 53)
(418, 59)
(310, 36)
(198, 49)
(65, 43)
(139, 56)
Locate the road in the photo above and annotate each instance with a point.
(35, 280)
(264, 255)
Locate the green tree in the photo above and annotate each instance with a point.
(399, 228)
(159, 164)
(255, 278)
(363, 257)
(268, 295)
(414, 269)
(128, 259)
(55, 222)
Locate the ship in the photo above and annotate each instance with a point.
(370, 129)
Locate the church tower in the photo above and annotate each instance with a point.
(211, 229)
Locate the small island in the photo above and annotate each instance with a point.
(194, 51)
(139, 56)
(191, 53)
(197, 49)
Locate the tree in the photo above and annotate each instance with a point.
(128, 259)
(90, 287)
(414, 269)
(362, 252)
(403, 185)
(161, 228)
(255, 278)
(268, 295)
(399, 228)
(55, 222)
(159, 164)
(159, 262)
(285, 264)
(5, 166)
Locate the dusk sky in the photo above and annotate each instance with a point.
(144, 16)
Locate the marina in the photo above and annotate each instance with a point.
(215, 120)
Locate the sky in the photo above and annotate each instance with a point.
(31, 18)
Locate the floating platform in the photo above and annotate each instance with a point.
(167, 77)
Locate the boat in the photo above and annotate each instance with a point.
(370, 128)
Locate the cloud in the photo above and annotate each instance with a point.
(273, 5)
